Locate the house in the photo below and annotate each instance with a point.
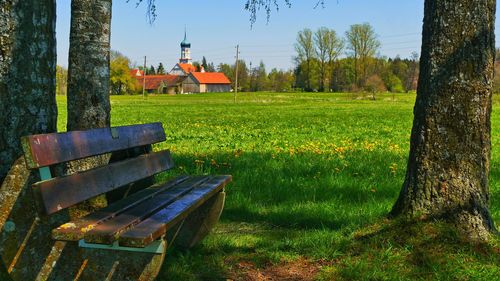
(161, 84)
(184, 77)
(206, 82)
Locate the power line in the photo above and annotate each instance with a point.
(144, 79)
(401, 48)
(400, 35)
(399, 43)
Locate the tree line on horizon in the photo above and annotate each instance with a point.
(319, 67)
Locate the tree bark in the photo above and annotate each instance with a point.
(449, 162)
(27, 74)
(89, 58)
(89, 82)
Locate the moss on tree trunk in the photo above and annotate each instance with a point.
(27, 74)
(449, 162)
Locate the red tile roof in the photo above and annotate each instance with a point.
(136, 72)
(187, 68)
(153, 82)
(211, 77)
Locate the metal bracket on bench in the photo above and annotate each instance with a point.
(156, 247)
(45, 173)
(114, 133)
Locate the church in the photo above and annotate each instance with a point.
(184, 77)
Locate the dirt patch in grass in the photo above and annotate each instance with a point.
(297, 270)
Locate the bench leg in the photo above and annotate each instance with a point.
(199, 223)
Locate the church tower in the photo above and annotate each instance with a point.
(185, 50)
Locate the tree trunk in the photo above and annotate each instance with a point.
(356, 81)
(89, 82)
(449, 162)
(88, 73)
(308, 75)
(27, 74)
(322, 82)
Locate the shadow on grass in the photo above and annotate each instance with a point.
(303, 190)
(322, 207)
(386, 250)
(287, 204)
(421, 251)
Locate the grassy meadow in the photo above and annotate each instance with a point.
(314, 176)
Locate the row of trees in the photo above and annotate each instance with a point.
(382, 74)
(320, 68)
(395, 75)
(253, 79)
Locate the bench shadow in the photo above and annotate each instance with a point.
(303, 191)
(280, 197)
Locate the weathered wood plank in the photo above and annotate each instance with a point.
(106, 233)
(155, 226)
(75, 230)
(49, 149)
(59, 193)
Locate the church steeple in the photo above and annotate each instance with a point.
(185, 49)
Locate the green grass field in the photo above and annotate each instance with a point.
(314, 177)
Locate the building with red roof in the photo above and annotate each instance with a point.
(206, 82)
(184, 77)
(161, 84)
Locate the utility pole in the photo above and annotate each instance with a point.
(144, 79)
(236, 71)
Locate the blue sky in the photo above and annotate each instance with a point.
(215, 27)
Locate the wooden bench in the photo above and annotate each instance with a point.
(140, 218)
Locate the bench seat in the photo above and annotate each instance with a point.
(138, 220)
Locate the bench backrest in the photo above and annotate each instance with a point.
(57, 193)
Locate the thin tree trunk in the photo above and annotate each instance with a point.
(27, 74)
(322, 83)
(449, 162)
(333, 76)
(89, 82)
(356, 81)
(308, 74)
(88, 73)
